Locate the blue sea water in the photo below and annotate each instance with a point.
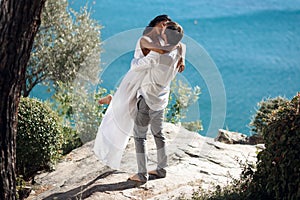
(254, 44)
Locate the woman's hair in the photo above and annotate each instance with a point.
(159, 19)
(155, 21)
(174, 33)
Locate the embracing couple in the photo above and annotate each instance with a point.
(141, 98)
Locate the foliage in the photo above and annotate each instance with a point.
(259, 120)
(181, 97)
(66, 42)
(39, 137)
(22, 190)
(66, 54)
(88, 113)
(71, 140)
(195, 126)
(79, 108)
(278, 169)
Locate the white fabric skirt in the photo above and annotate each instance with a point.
(117, 124)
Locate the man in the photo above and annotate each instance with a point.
(153, 99)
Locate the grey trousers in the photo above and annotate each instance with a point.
(146, 116)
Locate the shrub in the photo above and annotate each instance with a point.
(78, 106)
(181, 97)
(265, 107)
(71, 140)
(278, 169)
(39, 137)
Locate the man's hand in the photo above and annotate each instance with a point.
(180, 65)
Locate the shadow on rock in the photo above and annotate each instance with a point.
(85, 191)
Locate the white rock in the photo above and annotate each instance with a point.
(194, 161)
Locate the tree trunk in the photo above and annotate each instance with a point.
(19, 22)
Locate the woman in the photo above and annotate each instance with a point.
(117, 124)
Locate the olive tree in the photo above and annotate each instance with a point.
(66, 58)
(66, 42)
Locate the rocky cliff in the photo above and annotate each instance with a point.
(194, 161)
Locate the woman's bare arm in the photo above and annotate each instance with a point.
(145, 44)
(181, 62)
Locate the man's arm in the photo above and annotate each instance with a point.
(146, 62)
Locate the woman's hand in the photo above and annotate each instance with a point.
(180, 65)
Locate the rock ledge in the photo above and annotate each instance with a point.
(194, 161)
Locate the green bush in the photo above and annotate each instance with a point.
(278, 169)
(78, 106)
(71, 140)
(265, 108)
(39, 137)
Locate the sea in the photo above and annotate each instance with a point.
(239, 52)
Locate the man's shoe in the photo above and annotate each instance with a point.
(158, 173)
(138, 178)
